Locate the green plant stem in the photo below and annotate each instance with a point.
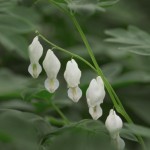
(61, 114)
(66, 51)
(117, 103)
(94, 60)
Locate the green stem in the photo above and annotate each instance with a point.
(93, 58)
(66, 51)
(117, 103)
(61, 114)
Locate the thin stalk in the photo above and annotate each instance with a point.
(93, 58)
(61, 114)
(66, 51)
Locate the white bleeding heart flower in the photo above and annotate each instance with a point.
(35, 53)
(51, 65)
(95, 95)
(114, 124)
(72, 76)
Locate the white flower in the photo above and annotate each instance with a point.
(35, 53)
(51, 65)
(72, 76)
(95, 95)
(114, 125)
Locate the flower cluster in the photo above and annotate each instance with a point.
(114, 125)
(95, 93)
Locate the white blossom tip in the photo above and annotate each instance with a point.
(51, 85)
(113, 123)
(74, 94)
(95, 112)
(35, 70)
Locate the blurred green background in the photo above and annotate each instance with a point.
(120, 39)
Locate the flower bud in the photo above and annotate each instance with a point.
(51, 65)
(35, 53)
(95, 95)
(113, 124)
(72, 76)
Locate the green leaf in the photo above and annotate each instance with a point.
(21, 132)
(17, 104)
(107, 3)
(16, 24)
(132, 77)
(11, 84)
(14, 42)
(84, 6)
(85, 134)
(125, 133)
(13, 24)
(61, 1)
(139, 130)
(138, 39)
(140, 50)
(6, 5)
(112, 70)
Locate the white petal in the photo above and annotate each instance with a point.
(95, 112)
(113, 123)
(35, 70)
(74, 94)
(35, 50)
(51, 65)
(100, 81)
(120, 143)
(72, 74)
(51, 85)
(95, 93)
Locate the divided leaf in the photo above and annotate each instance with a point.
(137, 40)
(138, 130)
(107, 3)
(88, 6)
(13, 25)
(86, 134)
(21, 130)
(85, 5)
(11, 84)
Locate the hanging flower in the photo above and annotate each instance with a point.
(51, 65)
(72, 76)
(95, 95)
(114, 125)
(35, 53)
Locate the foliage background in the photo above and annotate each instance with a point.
(27, 115)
